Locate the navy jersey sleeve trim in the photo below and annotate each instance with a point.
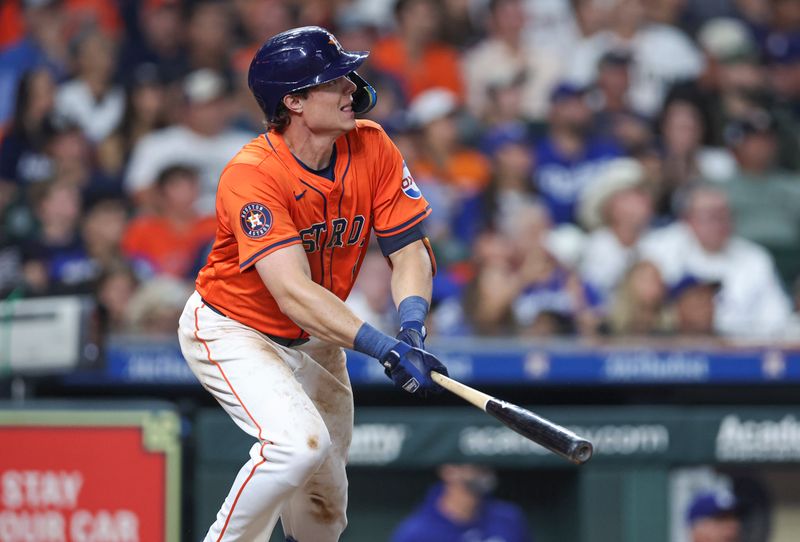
(276, 244)
(395, 242)
(405, 224)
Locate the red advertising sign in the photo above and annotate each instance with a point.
(78, 482)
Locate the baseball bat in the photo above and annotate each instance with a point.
(555, 438)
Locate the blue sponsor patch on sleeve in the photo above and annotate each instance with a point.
(256, 220)
(409, 187)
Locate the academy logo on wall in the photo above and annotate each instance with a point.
(741, 439)
(256, 220)
(410, 188)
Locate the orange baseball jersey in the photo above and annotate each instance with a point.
(266, 200)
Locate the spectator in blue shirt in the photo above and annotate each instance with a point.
(44, 45)
(460, 509)
(568, 157)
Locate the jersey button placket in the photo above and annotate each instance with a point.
(333, 212)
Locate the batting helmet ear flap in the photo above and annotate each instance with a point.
(365, 97)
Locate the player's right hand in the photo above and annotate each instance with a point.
(409, 368)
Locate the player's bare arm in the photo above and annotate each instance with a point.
(412, 272)
(287, 276)
(318, 311)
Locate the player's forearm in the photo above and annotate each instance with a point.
(321, 314)
(412, 273)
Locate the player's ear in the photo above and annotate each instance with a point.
(293, 102)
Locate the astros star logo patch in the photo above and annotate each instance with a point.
(256, 220)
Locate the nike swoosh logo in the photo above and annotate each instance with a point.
(298, 197)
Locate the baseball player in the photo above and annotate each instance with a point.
(265, 329)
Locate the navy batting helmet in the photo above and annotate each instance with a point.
(301, 58)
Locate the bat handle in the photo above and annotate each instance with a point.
(471, 395)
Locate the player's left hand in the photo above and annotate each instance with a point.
(413, 333)
(410, 368)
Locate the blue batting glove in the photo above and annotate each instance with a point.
(409, 368)
(413, 333)
(412, 311)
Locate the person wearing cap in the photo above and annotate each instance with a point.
(751, 302)
(202, 140)
(452, 174)
(506, 57)
(461, 507)
(616, 209)
(569, 156)
(443, 158)
(714, 517)
(692, 299)
(762, 188)
(727, 41)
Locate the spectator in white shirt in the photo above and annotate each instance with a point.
(751, 302)
(202, 141)
(616, 209)
(661, 55)
(505, 54)
(91, 99)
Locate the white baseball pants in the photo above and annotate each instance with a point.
(299, 405)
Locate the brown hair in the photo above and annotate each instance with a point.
(283, 116)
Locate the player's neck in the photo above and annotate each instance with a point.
(311, 149)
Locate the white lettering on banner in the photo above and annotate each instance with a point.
(104, 526)
(652, 366)
(41, 488)
(376, 443)
(766, 440)
(159, 367)
(32, 490)
(607, 440)
(32, 527)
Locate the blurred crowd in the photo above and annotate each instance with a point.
(595, 167)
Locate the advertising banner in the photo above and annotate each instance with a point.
(499, 362)
(89, 476)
